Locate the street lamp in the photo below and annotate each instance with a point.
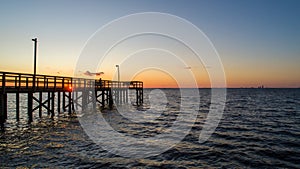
(118, 67)
(34, 64)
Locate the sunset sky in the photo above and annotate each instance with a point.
(258, 41)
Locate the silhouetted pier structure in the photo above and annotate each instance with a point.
(69, 92)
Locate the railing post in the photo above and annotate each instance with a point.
(63, 83)
(54, 83)
(16, 81)
(3, 83)
(26, 82)
(45, 82)
(37, 82)
(20, 81)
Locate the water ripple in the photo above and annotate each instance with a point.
(260, 128)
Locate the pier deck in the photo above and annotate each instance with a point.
(70, 92)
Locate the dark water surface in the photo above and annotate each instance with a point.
(260, 128)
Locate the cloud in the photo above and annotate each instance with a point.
(88, 73)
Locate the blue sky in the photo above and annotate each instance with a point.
(258, 41)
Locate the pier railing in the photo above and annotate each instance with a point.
(9, 82)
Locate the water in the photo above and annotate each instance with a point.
(260, 128)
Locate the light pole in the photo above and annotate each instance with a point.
(34, 64)
(118, 67)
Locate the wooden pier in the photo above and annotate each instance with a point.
(69, 92)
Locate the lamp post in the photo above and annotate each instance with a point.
(118, 67)
(34, 64)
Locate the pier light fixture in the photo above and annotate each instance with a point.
(118, 67)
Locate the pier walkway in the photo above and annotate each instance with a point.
(64, 93)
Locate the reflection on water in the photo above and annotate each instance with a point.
(259, 128)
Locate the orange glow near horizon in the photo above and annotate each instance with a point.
(156, 79)
(234, 79)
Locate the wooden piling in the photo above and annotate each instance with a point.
(52, 104)
(17, 106)
(64, 101)
(40, 105)
(5, 106)
(110, 99)
(102, 98)
(48, 104)
(58, 102)
(2, 116)
(70, 102)
(94, 95)
(84, 100)
(29, 106)
(76, 96)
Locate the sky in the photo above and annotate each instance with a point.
(258, 41)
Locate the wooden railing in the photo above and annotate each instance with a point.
(10, 81)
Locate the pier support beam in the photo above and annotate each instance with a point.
(40, 105)
(17, 106)
(58, 102)
(70, 102)
(103, 99)
(3, 108)
(139, 97)
(75, 98)
(64, 101)
(29, 106)
(52, 104)
(49, 97)
(126, 96)
(93, 99)
(84, 100)
(110, 99)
